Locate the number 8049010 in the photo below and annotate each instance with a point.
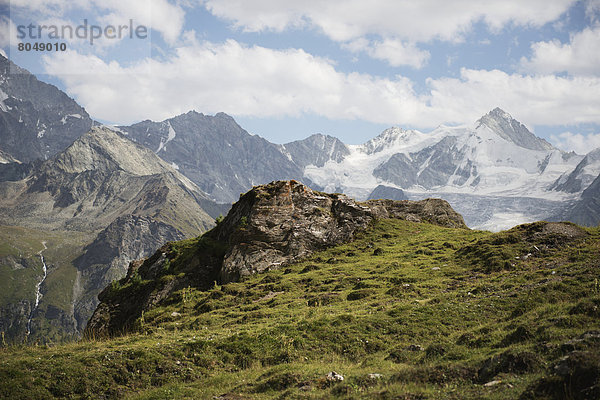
(42, 46)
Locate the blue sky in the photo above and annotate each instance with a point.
(286, 69)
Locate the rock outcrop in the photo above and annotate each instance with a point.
(281, 222)
(270, 226)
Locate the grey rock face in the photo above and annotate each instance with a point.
(106, 259)
(512, 130)
(429, 168)
(215, 153)
(586, 211)
(578, 179)
(15, 171)
(399, 169)
(6, 158)
(316, 150)
(37, 120)
(386, 192)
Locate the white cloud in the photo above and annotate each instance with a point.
(592, 10)
(233, 78)
(8, 32)
(394, 52)
(533, 100)
(407, 20)
(161, 15)
(581, 144)
(261, 82)
(49, 8)
(581, 56)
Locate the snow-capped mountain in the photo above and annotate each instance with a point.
(496, 157)
(493, 171)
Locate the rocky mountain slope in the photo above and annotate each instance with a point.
(386, 192)
(582, 176)
(315, 150)
(37, 120)
(586, 210)
(214, 152)
(122, 200)
(406, 310)
(269, 227)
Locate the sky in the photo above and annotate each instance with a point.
(287, 69)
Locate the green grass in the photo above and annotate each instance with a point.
(472, 309)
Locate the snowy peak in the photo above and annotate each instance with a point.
(505, 126)
(393, 138)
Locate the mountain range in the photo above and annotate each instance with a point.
(495, 171)
(79, 200)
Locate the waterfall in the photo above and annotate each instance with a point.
(38, 294)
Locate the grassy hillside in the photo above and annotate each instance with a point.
(406, 311)
(21, 271)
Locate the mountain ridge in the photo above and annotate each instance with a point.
(37, 120)
(495, 157)
(214, 152)
(124, 202)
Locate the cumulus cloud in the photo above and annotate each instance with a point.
(233, 78)
(395, 52)
(8, 32)
(581, 144)
(162, 16)
(534, 100)
(408, 20)
(581, 56)
(261, 82)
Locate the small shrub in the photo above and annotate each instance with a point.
(508, 362)
(360, 294)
